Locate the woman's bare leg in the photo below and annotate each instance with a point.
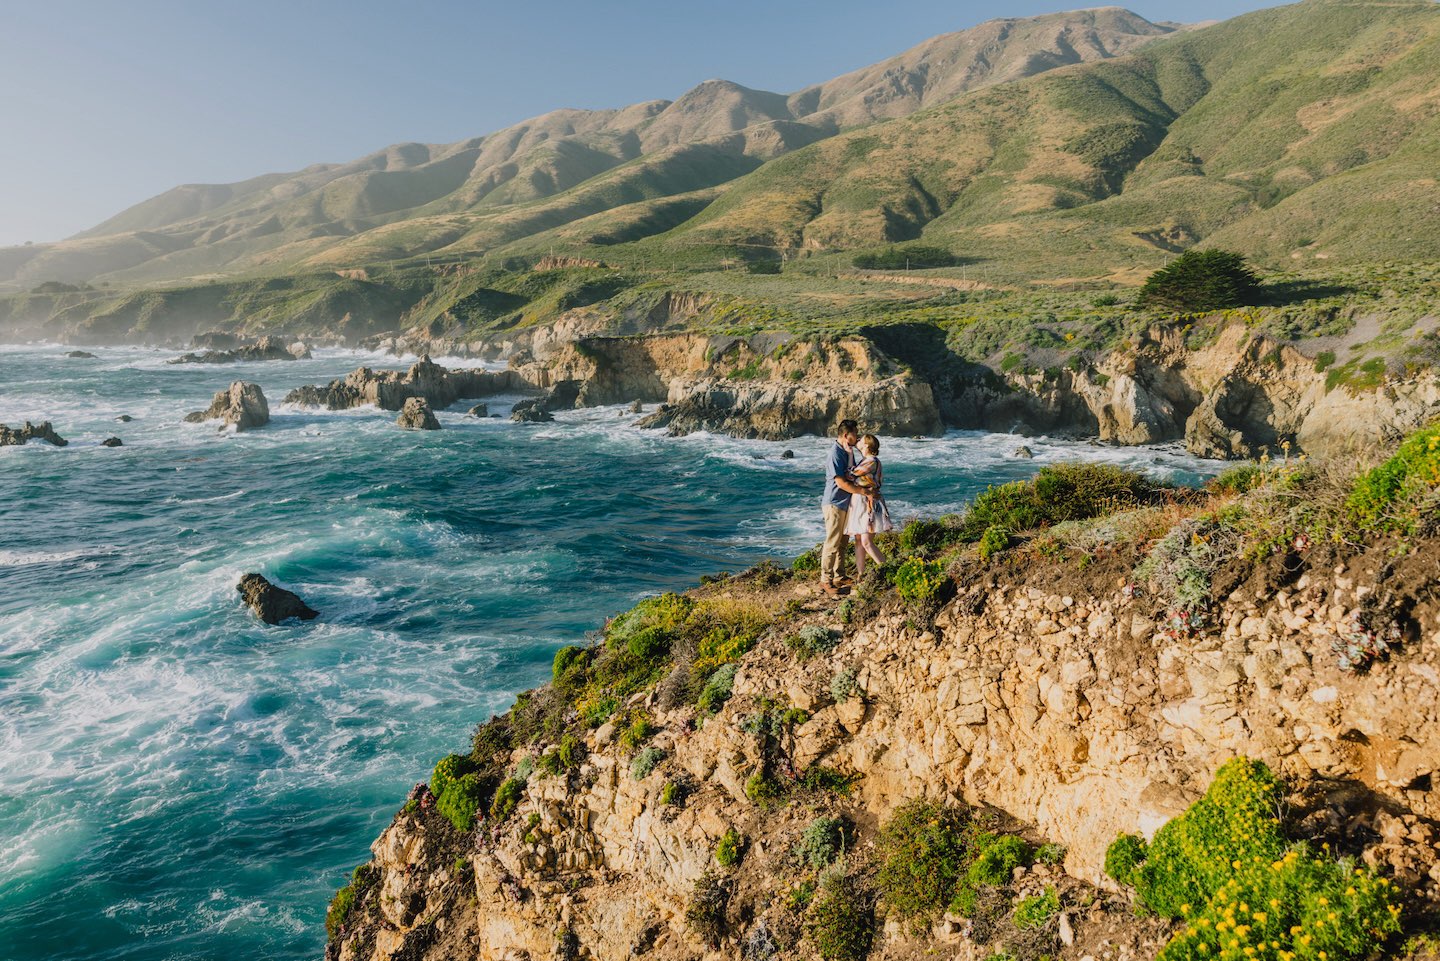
(867, 541)
(859, 557)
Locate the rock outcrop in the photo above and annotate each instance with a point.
(389, 389)
(12, 436)
(266, 348)
(112, 442)
(479, 410)
(273, 604)
(417, 415)
(531, 412)
(80, 355)
(242, 405)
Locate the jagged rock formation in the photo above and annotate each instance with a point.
(769, 386)
(273, 604)
(80, 355)
(389, 389)
(242, 406)
(1067, 700)
(417, 415)
(266, 348)
(112, 442)
(11, 436)
(479, 410)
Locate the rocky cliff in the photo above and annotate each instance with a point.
(1067, 687)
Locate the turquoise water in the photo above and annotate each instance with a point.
(178, 780)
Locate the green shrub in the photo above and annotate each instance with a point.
(1050, 853)
(672, 794)
(345, 899)
(846, 610)
(461, 801)
(639, 730)
(717, 689)
(840, 921)
(569, 664)
(919, 580)
(729, 849)
(705, 914)
(447, 769)
(1059, 492)
(842, 685)
(507, 796)
(764, 790)
(1324, 360)
(993, 541)
(649, 643)
(1240, 479)
(807, 563)
(822, 841)
(811, 640)
(1124, 856)
(905, 257)
(922, 855)
(817, 777)
(1200, 280)
(923, 536)
(1037, 910)
(994, 861)
(645, 762)
(1393, 496)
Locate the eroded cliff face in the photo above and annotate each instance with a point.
(1068, 702)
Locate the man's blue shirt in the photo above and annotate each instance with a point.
(838, 466)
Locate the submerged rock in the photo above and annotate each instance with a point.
(417, 415)
(788, 455)
(112, 442)
(124, 419)
(479, 410)
(14, 437)
(242, 405)
(273, 604)
(80, 355)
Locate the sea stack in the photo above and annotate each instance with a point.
(242, 405)
(273, 604)
(417, 415)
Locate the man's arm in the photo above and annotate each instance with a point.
(850, 488)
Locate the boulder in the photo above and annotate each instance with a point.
(1023, 453)
(636, 407)
(112, 442)
(479, 410)
(788, 455)
(242, 406)
(531, 412)
(81, 355)
(124, 419)
(273, 604)
(417, 415)
(13, 437)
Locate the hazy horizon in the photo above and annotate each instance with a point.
(113, 105)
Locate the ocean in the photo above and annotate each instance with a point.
(179, 780)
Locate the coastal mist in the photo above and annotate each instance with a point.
(179, 780)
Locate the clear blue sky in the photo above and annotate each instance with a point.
(109, 102)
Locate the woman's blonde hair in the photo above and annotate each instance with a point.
(871, 444)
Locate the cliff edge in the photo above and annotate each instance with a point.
(968, 756)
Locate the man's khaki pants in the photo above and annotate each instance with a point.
(832, 555)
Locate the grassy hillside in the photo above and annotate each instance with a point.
(403, 194)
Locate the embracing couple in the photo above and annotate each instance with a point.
(853, 506)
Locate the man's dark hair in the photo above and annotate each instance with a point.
(847, 427)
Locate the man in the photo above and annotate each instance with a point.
(836, 507)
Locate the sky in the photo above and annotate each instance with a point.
(109, 102)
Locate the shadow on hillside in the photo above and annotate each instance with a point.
(1285, 292)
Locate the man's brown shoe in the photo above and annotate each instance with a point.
(844, 582)
(832, 590)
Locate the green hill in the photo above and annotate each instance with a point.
(419, 199)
